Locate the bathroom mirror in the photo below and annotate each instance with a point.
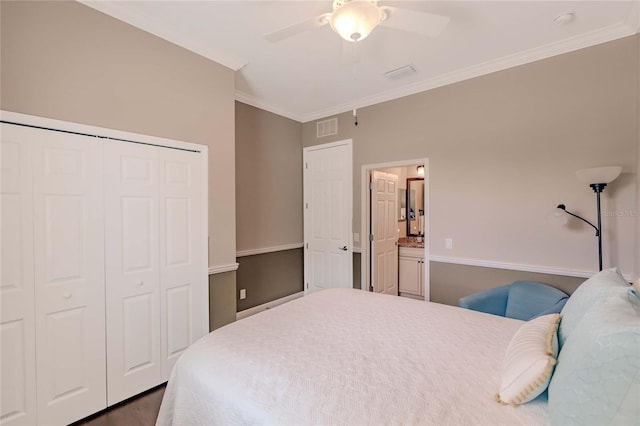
(415, 206)
(402, 204)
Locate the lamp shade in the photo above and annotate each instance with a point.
(558, 216)
(599, 174)
(354, 20)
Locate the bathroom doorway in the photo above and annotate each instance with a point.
(407, 262)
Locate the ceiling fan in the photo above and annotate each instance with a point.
(354, 20)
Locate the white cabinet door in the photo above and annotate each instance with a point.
(181, 254)
(132, 266)
(17, 300)
(69, 275)
(410, 275)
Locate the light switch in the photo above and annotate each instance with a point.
(243, 294)
(356, 237)
(448, 244)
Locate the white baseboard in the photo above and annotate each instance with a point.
(268, 305)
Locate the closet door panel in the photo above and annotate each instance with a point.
(17, 299)
(69, 276)
(181, 257)
(133, 277)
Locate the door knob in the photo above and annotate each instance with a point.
(343, 248)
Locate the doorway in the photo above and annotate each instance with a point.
(411, 232)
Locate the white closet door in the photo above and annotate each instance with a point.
(181, 255)
(69, 276)
(133, 280)
(17, 316)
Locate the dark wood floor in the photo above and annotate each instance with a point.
(141, 410)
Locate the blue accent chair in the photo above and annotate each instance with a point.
(523, 300)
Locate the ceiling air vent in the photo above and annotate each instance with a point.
(401, 72)
(327, 127)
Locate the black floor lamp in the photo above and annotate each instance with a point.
(597, 178)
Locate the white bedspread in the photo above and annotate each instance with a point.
(348, 357)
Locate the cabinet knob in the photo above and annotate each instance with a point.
(140, 283)
(67, 296)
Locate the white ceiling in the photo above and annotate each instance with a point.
(306, 77)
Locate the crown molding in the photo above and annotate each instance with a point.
(602, 35)
(612, 32)
(266, 106)
(633, 20)
(115, 10)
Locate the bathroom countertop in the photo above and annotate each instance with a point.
(410, 242)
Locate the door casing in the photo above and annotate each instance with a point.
(365, 220)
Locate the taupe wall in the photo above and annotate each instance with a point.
(268, 179)
(270, 276)
(222, 301)
(503, 151)
(66, 61)
(449, 282)
(268, 204)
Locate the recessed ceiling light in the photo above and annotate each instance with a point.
(564, 18)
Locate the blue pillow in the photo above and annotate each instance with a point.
(609, 282)
(597, 377)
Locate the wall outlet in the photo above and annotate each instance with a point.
(448, 244)
(243, 294)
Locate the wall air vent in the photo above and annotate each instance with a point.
(401, 72)
(327, 127)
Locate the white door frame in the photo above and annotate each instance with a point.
(349, 208)
(365, 206)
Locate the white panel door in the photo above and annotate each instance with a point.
(17, 300)
(181, 256)
(327, 216)
(69, 276)
(132, 266)
(384, 224)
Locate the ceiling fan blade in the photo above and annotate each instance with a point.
(423, 23)
(298, 28)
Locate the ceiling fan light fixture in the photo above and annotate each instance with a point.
(354, 20)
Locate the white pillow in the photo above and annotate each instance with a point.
(529, 361)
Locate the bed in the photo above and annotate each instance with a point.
(345, 356)
(350, 357)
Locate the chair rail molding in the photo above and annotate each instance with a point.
(272, 249)
(518, 267)
(223, 268)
